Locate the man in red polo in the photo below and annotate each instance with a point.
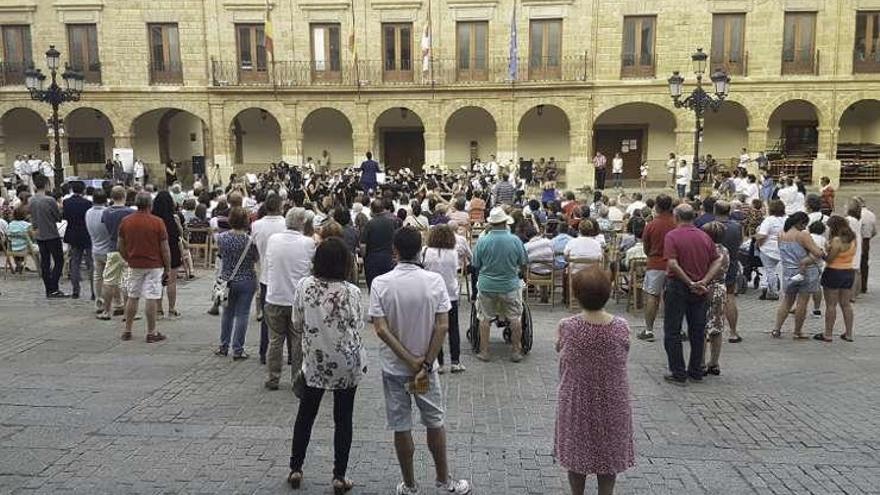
(143, 244)
(655, 274)
(692, 262)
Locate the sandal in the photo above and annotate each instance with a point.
(821, 337)
(294, 479)
(800, 336)
(844, 337)
(341, 486)
(735, 340)
(173, 313)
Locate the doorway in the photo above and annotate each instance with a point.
(403, 149)
(629, 142)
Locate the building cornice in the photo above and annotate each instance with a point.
(249, 4)
(324, 4)
(20, 6)
(89, 5)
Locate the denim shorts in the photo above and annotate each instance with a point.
(398, 403)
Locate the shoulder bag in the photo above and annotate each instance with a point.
(220, 290)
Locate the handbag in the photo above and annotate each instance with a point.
(220, 289)
(299, 384)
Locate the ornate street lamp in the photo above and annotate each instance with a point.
(699, 101)
(55, 95)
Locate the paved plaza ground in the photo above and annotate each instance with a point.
(83, 412)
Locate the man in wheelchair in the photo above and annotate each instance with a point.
(500, 257)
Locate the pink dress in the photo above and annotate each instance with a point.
(594, 433)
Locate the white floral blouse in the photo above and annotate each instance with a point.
(330, 315)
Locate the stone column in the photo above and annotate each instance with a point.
(826, 164)
(223, 167)
(5, 161)
(579, 172)
(684, 144)
(362, 134)
(757, 140)
(506, 135)
(435, 137)
(291, 135)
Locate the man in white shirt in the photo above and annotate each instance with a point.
(868, 232)
(139, 171)
(127, 172)
(261, 231)
(492, 166)
(409, 307)
(637, 204)
(744, 159)
(288, 260)
(48, 172)
(789, 197)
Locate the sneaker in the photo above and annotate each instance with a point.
(817, 313)
(155, 337)
(103, 315)
(240, 357)
(484, 357)
(402, 489)
(457, 368)
(57, 295)
(516, 357)
(458, 487)
(441, 370)
(646, 335)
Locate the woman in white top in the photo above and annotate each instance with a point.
(617, 171)
(585, 246)
(441, 256)
(767, 240)
(328, 312)
(415, 218)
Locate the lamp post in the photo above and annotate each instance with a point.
(55, 95)
(699, 101)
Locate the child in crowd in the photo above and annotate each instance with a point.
(817, 232)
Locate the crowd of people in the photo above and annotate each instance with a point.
(292, 244)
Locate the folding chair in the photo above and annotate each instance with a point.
(203, 247)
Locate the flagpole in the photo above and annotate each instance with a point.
(271, 35)
(353, 47)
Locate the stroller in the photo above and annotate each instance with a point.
(750, 263)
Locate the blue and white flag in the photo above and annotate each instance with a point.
(513, 62)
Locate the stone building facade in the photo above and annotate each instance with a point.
(177, 79)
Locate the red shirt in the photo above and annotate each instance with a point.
(692, 248)
(143, 234)
(654, 236)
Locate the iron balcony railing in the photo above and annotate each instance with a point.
(12, 73)
(378, 73)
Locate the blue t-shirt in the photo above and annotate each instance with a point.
(499, 255)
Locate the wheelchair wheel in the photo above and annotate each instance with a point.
(527, 330)
(473, 332)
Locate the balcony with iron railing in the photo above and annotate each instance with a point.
(166, 72)
(12, 73)
(375, 73)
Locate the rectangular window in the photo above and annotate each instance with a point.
(326, 63)
(472, 50)
(251, 42)
(799, 43)
(82, 42)
(165, 66)
(17, 55)
(638, 46)
(866, 55)
(728, 39)
(545, 49)
(397, 47)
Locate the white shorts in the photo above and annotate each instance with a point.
(146, 283)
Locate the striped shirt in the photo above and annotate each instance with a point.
(504, 192)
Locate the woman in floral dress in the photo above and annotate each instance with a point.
(328, 311)
(715, 313)
(594, 433)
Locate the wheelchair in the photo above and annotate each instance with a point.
(473, 332)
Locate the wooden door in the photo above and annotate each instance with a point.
(404, 149)
(611, 141)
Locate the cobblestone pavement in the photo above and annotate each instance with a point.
(82, 412)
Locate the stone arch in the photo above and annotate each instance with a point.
(544, 132)
(168, 133)
(858, 139)
(771, 106)
(90, 140)
(400, 137)
(328, 129)
(25, 132)
(726, 132)
(470, 132)
(793, 129)
(640, 131)
(256, 137)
